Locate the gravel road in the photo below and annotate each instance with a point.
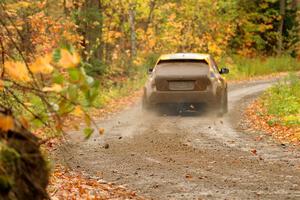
(190, 156)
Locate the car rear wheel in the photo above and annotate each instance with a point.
(145, 105)
(225, 102)
(222, 105)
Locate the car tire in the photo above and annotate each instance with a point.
(145, 105)
(222, 107)
(224, 103)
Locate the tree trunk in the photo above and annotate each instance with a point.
(66, 9)
(99, 51)
(281, 26)
(132, 8)
(150, 16)
(92, 28)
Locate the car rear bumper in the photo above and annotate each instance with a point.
(157, 97)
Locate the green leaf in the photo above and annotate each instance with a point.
(37, 123)
(74, 75)
(56, 56)
(88, 132)
(72, 92)
(58, 78)
(68, 47)
(93, 95)
(65, 107)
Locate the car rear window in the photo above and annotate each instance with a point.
(183, 61)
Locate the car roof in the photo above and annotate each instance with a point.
(183, 56)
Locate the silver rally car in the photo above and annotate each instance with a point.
(186, 79)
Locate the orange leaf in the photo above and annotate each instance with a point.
(254, 151)
(101, 131)
(68, 60)
(42, 65)
(78, 112)
(6, 123)
(17, 71)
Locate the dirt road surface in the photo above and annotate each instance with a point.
(190, 156)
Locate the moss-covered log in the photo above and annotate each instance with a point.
(23, 169)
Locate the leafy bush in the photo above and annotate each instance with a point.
(241, 67)
(113, 90)
(95, 67)
(44, 91)
(283, 101)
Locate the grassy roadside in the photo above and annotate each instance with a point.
(242, 68)
(283, 102)
(277, 111)
(116, 90)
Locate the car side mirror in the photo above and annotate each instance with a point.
(150, 70)
(224, 70)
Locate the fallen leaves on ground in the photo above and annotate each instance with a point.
(69, 185)
(101, 131)
(254, 151)
(257, 119)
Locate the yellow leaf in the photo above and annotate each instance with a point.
(78, 111)
(6, 123)
(68, 60)
(17, 71)
(27, 104)
(54, 88)
(42, 65)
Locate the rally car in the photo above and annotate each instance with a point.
(186, 79)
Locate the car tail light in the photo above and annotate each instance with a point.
(202, 84)
(161, 84)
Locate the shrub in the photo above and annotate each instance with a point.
(283, 101)
(241, 67)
